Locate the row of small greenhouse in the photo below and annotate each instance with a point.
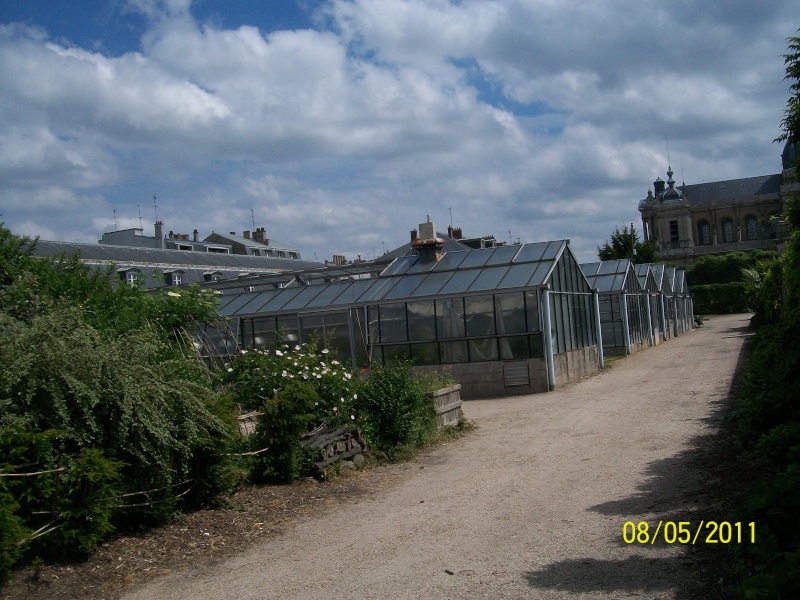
(507, 320)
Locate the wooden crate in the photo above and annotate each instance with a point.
(447, 404)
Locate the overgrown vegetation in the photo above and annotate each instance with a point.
(768, 407)
(729, 283)
(109, 419)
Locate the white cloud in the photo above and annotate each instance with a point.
(549, 119)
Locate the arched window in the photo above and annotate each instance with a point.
(727, 231)
(703, 233)
(751, 227)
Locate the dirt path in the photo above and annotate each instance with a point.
(530, 505)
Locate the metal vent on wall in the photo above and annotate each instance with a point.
(515, 372)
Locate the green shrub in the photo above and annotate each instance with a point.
(772, 564)
(726, 268)
(721, 298)
(286, 417)
(396, 408)
(12, 532)
(770, 389)
(85, 502)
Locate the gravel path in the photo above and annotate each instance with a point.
(529, 505)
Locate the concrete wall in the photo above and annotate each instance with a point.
(576, 364)
(487, 379)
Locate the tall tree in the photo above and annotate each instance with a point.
(791, 116)
(625, 243)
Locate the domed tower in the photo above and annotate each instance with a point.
(671, 193)
(666, 219)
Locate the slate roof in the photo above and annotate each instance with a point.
(723, 191)
(151, 261)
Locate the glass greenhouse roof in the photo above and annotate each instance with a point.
(407, 277)
(609, 275)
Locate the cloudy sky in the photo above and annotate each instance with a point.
(342, 124)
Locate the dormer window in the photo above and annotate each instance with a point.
(132, 277)
(173, 277)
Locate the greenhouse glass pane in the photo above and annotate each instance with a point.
(453, 352)
(476, 258)
(264, 329)
(510, 309)
(223, 301)
(531, 252)
(483, 350)
(306, 295)
(289, 326)
(590, 269)
(420, 267)
(450, 318)
(311, 328)
(405, 286)
(532, 309)
(552, 250)
(518, 275)
(503, 255)
(479, 315)
(515, 347)
(451, 261)
(604, 283)
(421, 320)
(378, 289)
(280, 299)
(393, 323)
(611, 266)
(536, 345)
(337, 335)
(256, 303)
(234, 305)
(425, 354)
(329, 294)
(399, 266)
(460, 282)
(395, 353)
(540, 275)
(247, 333)
(488, 279)
(432, 284)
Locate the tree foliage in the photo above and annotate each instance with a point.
(768, 406)
(625, 243)
(107, 416)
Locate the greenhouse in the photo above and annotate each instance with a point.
(624, 307)
(508, 320)
(650, 289)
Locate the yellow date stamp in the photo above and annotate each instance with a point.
(684, 532)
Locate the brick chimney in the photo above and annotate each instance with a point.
(260, 235)
(159, 234)
(246, 235)
(196, 236)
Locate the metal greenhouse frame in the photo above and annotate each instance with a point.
(511, 319)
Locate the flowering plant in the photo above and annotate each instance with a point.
(257, 375)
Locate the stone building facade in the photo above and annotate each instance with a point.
(689, 221)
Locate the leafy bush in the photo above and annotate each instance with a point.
(286, 416)
(770, 390)
(721, 298)
(12, 532)
(396, 408)
(726, 268)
